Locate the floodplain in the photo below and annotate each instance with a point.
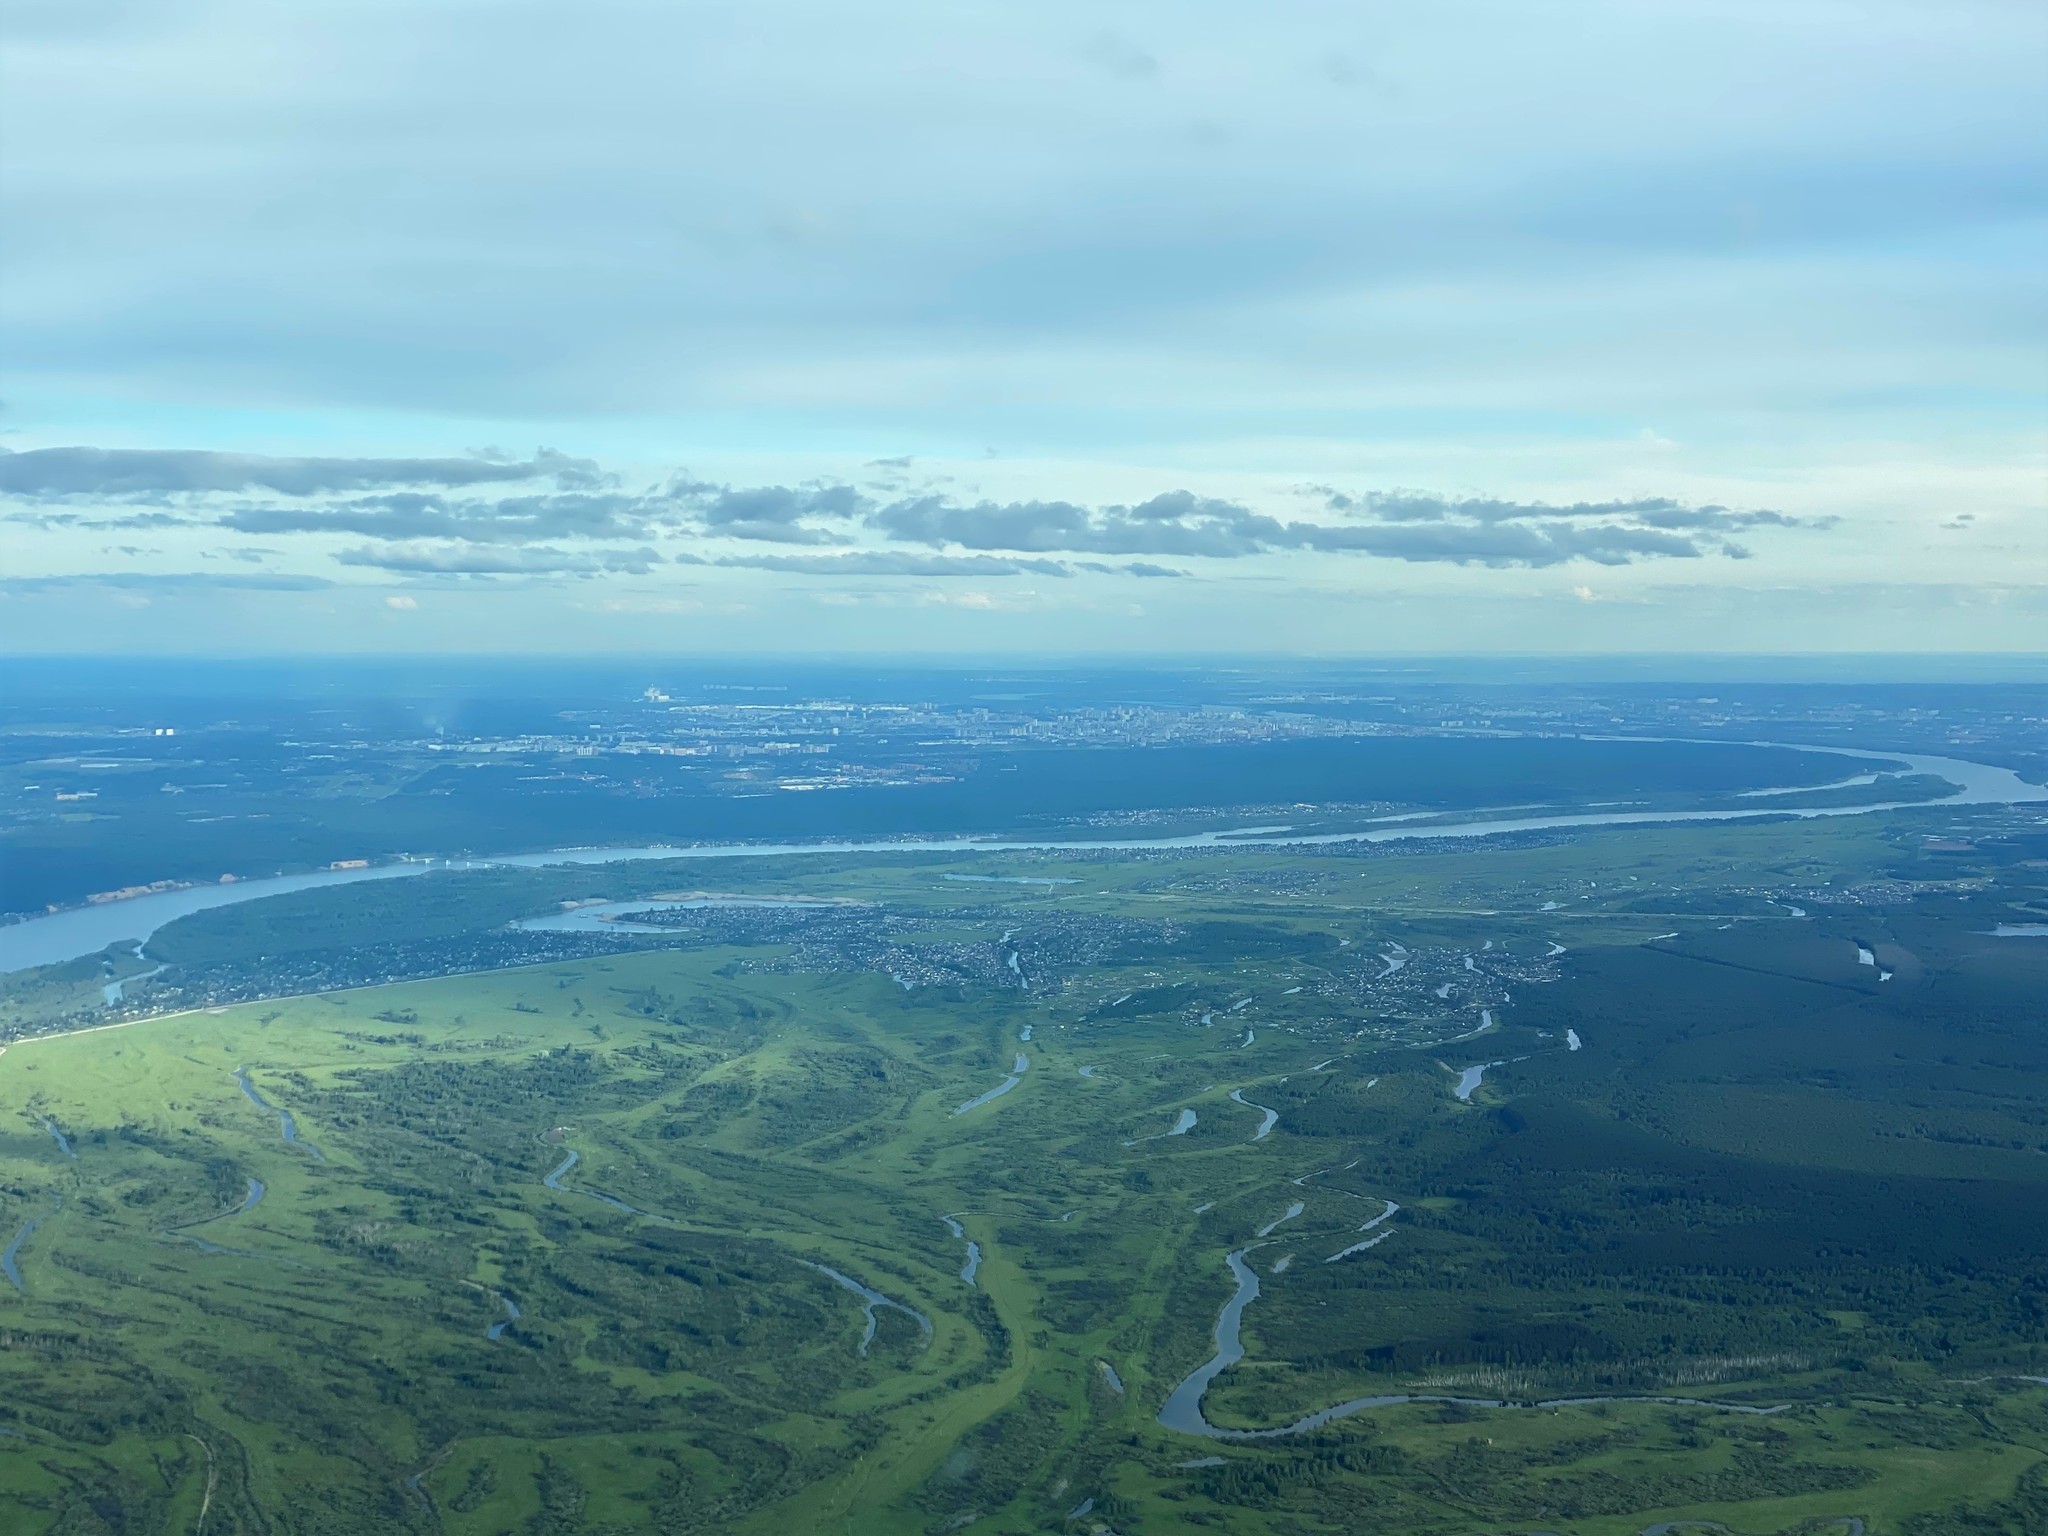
(717, 1224)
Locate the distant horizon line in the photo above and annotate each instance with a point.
(955, 657)
(1637, 666)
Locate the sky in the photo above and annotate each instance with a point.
(1125, 328)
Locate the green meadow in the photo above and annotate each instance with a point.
(662, 1239)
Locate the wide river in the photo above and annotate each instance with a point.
(68, 935)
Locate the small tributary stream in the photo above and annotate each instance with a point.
(1182, 1412)
(287, 1126)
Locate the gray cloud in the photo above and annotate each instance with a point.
(1654, 511)
(423, 515)
(469, 560)
(1029, 525)
(152, 581)
(1409, 526)
(1499, 544)
(1132, 568)
(142, 474)
(891, 563)
(79, 520)
(775, 514)
(779, 504)
(1072, 282)
(1177, 523)
(564, 526)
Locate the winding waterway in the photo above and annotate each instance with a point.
(287, 1126)
(11, 1255)
(872, 1299)
(1370, 1242)
(617, 916)
(1272, 1116)
(1012, 880)
(1184, 1122)
(1182, 1411)
(973, 1264)
(59, 936)
(114, 992)
(1292, 1211)
(1359, 1247)
(1485, 1027)
(251, 1198)
(1469, 1079)
(1017, 1070)
(554, 1181)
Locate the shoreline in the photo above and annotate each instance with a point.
(1976, 784)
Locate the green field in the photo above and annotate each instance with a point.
(1767, 1176)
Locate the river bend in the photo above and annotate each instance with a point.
(60, 936)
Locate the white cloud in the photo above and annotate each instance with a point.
(291, 254)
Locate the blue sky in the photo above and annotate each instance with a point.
(1320, 328)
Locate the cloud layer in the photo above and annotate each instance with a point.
(1077, 302)
(570, 517)
(150, 474)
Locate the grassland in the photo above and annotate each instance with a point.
(1763, 1178)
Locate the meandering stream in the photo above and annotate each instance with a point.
(1272, 1116)
(9, 1258)
(287, 1126)
(1469, 1079)
(872, 1299)
(554, 1181)
(1370, 1242)
(1182, 1411)
(251, 1198)
(973, 1264)
(1183, 1123)
(617, 916)
(115, 992)
(1292, 1211)
(1017, 1070)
